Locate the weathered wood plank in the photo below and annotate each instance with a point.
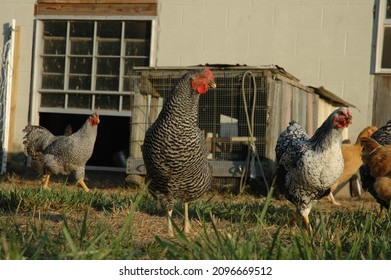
(39, 2)
(97, 9)
(14, 91)
(126, 1)
(381, 100)
(97, 1)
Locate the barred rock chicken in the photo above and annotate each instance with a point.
(352, 160)
(383, 137)
(307, 167)
(378, 159)
(174, 148)
(62, 154)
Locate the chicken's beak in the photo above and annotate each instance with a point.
(212, 84)
(96, 118)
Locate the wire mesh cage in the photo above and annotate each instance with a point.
(241, 119)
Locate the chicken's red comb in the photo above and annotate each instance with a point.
(208, 73)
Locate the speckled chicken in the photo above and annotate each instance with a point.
(174, 148)
(307, 167)
(62, 154)
(377, 158)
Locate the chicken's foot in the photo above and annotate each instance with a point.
(332, 199)
(186, 221)
(169, 223)
(84, 186)
(307, 223)
(46, 178)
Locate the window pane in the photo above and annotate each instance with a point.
(109, 29)
(80, 65)
(81, 47)
(126, 85)
(138, 29)
(88, 55)
(107, 83)
(109, 47)
(108, 102)
(52, 81)
(126, 102)
(54, 64)
(79, 101)
(386, 55)
(108, 66)
(388, 9)
(80, 82)
(52, 100)
(131, 62)
(81, 29)
(137, 48)
(54, 46)
(55, 28)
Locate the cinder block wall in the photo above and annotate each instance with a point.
(321, 42)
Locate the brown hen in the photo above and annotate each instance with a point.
(352, 160)
(378, 158)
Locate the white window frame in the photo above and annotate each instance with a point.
(37, 63)
(380, 24)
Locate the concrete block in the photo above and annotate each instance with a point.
(205, 17)
(273, 42)
(167, 18)
(289, 17)
(344, 68)
(321, 43)
(349, 17)
(179, 40)
(358, 43)
(226, 41)
(254, 17)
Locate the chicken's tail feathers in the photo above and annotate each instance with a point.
(35, 140)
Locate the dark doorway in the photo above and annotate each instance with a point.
(112, 143)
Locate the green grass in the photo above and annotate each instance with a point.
(66, 223)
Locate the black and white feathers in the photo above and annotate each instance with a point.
(307, 167)
(174, 148)
(62, 154)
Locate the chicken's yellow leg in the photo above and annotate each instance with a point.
(84, 186)
(186, 221)
(307, 223)
(169, 224)
(46, 178)
(332, 199)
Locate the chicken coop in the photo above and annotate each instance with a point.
(241, 119)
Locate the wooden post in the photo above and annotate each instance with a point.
(138, 124)
(14, 91)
